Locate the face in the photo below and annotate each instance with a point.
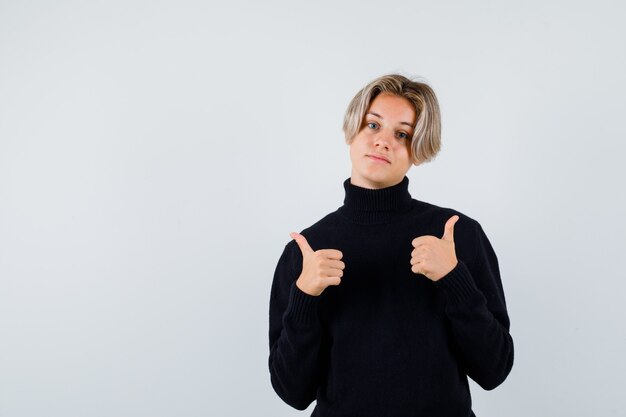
(381, 151)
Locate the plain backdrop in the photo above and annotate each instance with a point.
(155, 155)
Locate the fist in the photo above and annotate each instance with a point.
(434, 257)
(320, 268)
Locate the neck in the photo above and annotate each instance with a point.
(375, 206)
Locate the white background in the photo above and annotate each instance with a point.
(154, 157)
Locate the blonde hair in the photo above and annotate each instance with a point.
(426, 140)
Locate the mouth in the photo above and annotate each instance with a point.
(378, 158)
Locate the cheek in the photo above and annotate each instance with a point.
(358, 144)
(408, 149)
(353, 150)
(404, 148)
(404, 153)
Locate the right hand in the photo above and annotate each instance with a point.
(320, 268)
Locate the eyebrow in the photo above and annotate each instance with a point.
(381, 117)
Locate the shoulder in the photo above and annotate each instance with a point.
(431, 219)
(315, 234)
(436, 214)
(323, 226)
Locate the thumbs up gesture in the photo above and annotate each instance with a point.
(434, 257)
(320, 268)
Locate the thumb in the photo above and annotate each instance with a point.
(302, 243)
(448, 233)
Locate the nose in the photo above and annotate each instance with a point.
(383, 139)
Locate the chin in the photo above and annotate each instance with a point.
(377, 178)
(381, 181)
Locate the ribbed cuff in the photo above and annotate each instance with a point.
(302, 307)
(458, 284)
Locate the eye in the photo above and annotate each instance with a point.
(372, 125)
(402, 135)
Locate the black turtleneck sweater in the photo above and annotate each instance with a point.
(387, 341)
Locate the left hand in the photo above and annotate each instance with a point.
(434, 257)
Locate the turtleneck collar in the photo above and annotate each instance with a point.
(375, 206)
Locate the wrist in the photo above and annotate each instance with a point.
(307, 289)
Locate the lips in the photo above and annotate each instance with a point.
(379, 157)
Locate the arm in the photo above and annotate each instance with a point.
(295, 335)
(476, 311)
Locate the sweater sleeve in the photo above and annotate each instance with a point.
(295, 336)
(476, 310)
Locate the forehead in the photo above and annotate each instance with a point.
(394, 108)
